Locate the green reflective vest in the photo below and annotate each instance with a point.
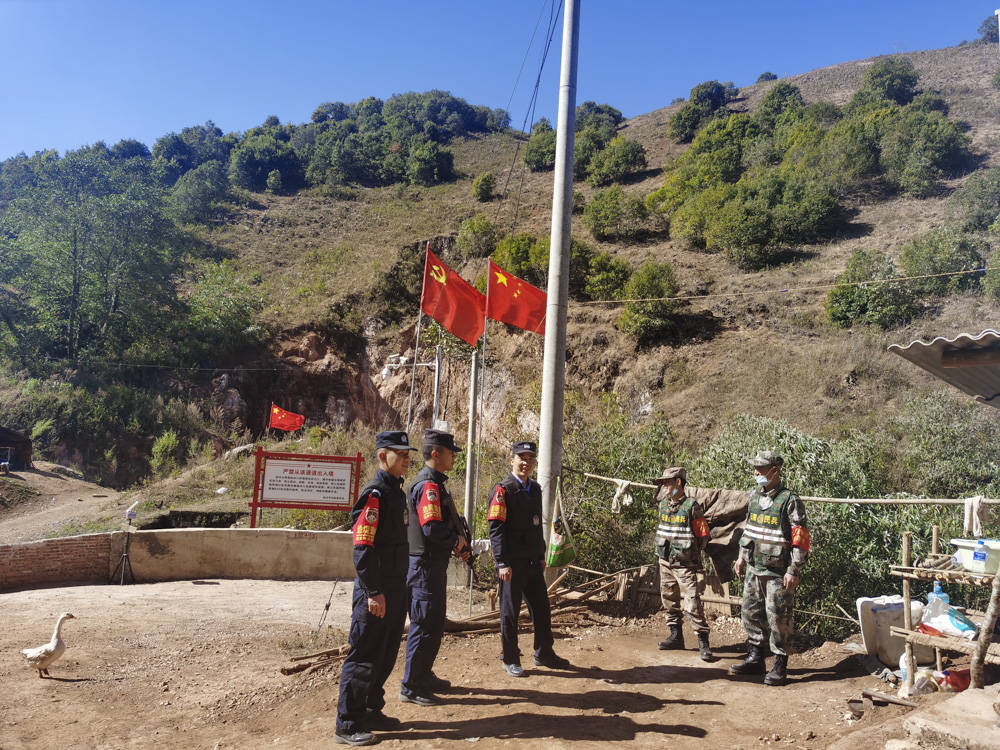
(769, 531)
(674, 536)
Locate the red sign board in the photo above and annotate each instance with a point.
(304, 480)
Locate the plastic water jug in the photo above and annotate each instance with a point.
(979, 553)
(937, 593)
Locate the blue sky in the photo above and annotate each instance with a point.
(80, 71)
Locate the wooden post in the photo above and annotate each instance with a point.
(907, 614)
(986, 634)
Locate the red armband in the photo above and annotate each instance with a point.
(700, 527)
(367, 523)
(800, 537)
(498, 506)
(429, 504)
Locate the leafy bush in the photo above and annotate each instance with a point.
(607, 277)
(602, 118)
(587, 144)
(540, 151)
(257, 156)
(477, 237)
(941, 251)
(195, 195)
(988, 30)
(706, 100)
(482, 187)
(892, 78)
(884, 303)
(783, 97)
(428, 164)
(165, 454)
(995, 79)
(991, 279)
(650, 319)
(742, 230)
(619, 158)
(766, 76)
(978, 200)
(918, 148)
(221, 309)
(274, 181)
(615, 215)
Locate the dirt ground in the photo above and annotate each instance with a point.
(63, 499)
(195, 664)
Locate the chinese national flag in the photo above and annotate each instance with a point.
(452, 301)
(285, 420)
(515, 301)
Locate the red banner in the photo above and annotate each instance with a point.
(285, 420)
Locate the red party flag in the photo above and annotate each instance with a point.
(515, 301)
(452, 301)
(285, 420)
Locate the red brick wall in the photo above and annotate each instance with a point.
(74, 559)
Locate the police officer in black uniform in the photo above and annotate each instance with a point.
(515, 518)
(378, 523)
(434, 537)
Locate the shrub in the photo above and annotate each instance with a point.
(767, 75)
(477, 237)
(742, 231)
(274, 181)
(691, 220)
(783, 97)
(165, 455)
(995, 80)
(978, 200)
(428, 164)
(991, 279)
(884, 304)
(988, 29)
(540, 151)
(587, 144)
(579, 202)
(705, 101)
(892, 78)
(615, 215)
(941, 251)
(482, 187)
(513, 254)
(618, 159)
(651, 319)
(607, 277)
(918, 148)
(196, 193)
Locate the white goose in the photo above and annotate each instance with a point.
(42, 657)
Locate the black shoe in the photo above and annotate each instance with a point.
(357, 739)
(435, 683)
(779, 672)
(704, 651)
(551, 661)
(674, 641)
(423, 699)
(753, 664)
(379, 720)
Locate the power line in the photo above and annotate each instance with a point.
(787, 290)
(149, 366)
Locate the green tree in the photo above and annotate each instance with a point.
(978, 200)
(195, 195)
(767, 75)
(941, 251)
(988, 30)
(477, 237)
(607, 277)
(864, 295)
(540, 151)
(273, 181)
(428, 164)
(648, 316)
(614, 215)
(257, 156)
(482, 187)
(781, 98)
(892, 78)
(619, 158)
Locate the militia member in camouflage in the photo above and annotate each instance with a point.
(773, 551)
(681, 537)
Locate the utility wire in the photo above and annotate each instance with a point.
(787, 290)
(183, 368)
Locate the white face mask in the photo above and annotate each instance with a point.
(761, 479)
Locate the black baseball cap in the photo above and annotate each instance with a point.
(397, 440)
(524, 446)
(440, 438)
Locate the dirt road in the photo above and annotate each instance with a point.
(62, 499)
(196, 665)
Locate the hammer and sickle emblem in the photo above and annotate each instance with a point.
(438, 273)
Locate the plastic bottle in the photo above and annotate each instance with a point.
(902, 668)
(979, 554)
(937, 593)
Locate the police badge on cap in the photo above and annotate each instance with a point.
(396, 440)
(525, 446)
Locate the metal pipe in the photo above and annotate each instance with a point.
(554, 364)
(437, 386)
(470, 444)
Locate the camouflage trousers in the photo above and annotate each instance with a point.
(678, 584)
(767, 607)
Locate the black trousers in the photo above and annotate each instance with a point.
(427, 581)
(527, 580)
(374, 646)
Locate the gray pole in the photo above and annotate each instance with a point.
(470, 443)
(437, 386)
(554, 366)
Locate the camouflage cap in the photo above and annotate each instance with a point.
(766, 458)
(672, 472)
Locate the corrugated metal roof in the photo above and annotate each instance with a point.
(979, 380)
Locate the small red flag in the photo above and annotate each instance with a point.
(285, 420)
(515, 301)
(452, 301)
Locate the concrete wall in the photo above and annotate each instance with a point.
(186, 554)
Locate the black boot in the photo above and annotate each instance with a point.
(753, 664)
(778, 674)
(674, 641)
(704, 651)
